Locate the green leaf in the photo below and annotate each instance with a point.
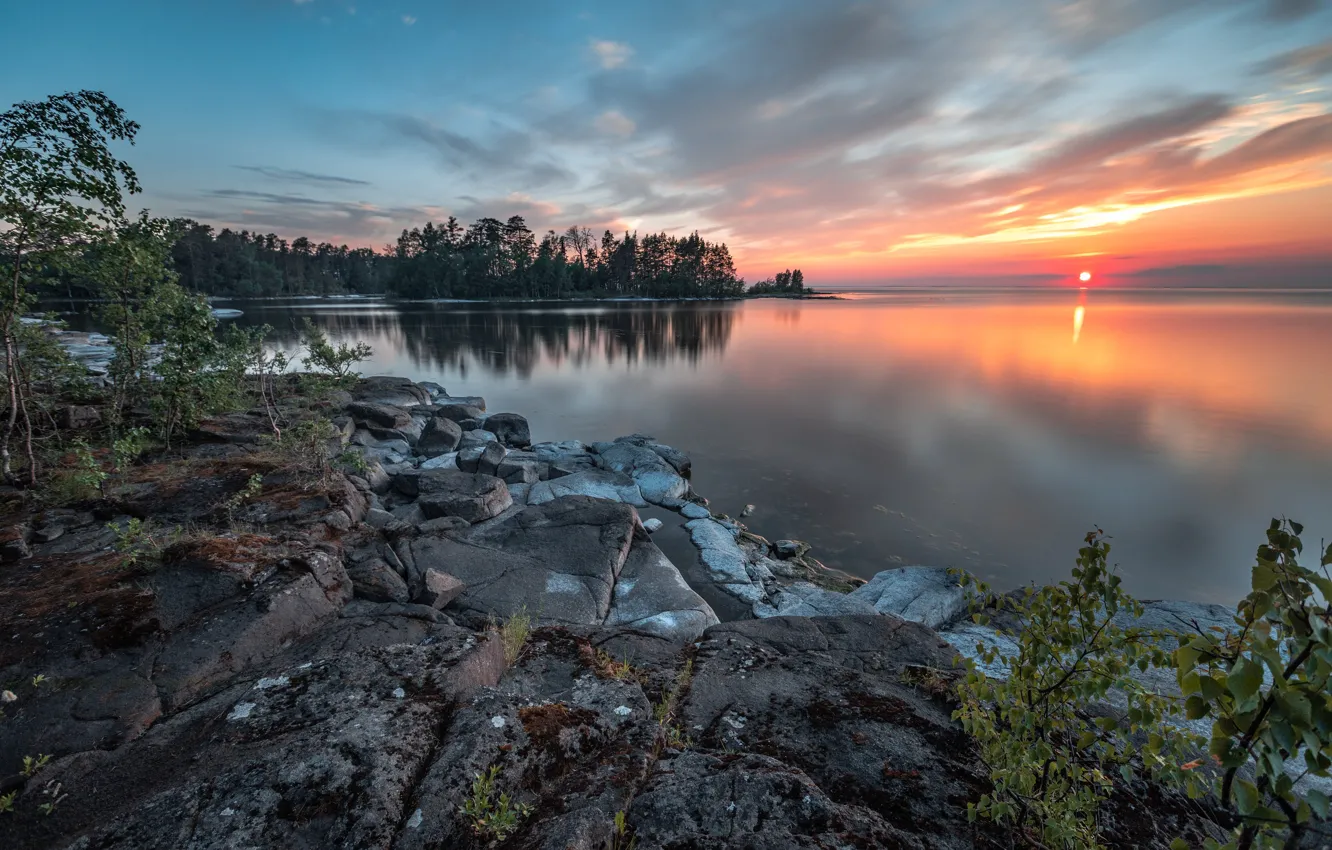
(1296, 527)
(1195, 708)
(1317, 801)
(1246, 796)
(1179, 844)
(1244, 678)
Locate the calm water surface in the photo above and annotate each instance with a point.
(982, 430)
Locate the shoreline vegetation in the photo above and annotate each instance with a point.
(312, 608)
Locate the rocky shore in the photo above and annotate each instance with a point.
(333, 660)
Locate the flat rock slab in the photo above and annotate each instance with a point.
(559, 560)
(803, 599)
(926, 595)
(597, 483)
(653, 597)
(724, 561)
(453, 493)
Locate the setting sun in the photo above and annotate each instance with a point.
(1084, 277)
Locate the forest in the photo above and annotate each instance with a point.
(489, 259)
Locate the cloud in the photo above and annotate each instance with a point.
(408, 20)
(1306, 62)
(613, 123)
(296, 175)
(611, 54)
(1291, 10)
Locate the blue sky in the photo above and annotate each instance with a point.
(863, 136)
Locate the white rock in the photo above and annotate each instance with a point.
(927, 595)
(624, 710)
(652, 525)
(275, 682)
(414, 822)
(693, 511)
(241, 711)
(497, 721)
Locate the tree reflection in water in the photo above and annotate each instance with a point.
(514, 339)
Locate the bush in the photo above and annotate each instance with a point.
(324, 358)
(1266, 686)
(1051, 767)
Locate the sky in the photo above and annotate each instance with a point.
(864, 142)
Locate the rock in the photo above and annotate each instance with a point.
(926, 595)
(434, 389)
(46, 534)
(443, 524)
(693, 511)
(598, 483)
(444, 461)
(559, 560)
(803, 599)
(510, 428)
(411, 514)
(439, 436)
(656, 478)
(458, 413)
(398, 392)
(851, 756)
(366, 438)
(724, 561)
(491, 458)
(678, 460)
(378, 479)
(787, 549)
(440, 589)
(325, 754)
(651, 596)
(473, 497)
(469, 400)
(377, 581)
(471, 424)
(380, 415)
(516, 471)
(469, 459)
(475, 440)
(652, 525)
(14, 543)
(377, 518)
(77, 416)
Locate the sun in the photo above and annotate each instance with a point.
(1084, 277)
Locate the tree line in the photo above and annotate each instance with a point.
(488, 259)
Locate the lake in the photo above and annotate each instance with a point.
(987, 430)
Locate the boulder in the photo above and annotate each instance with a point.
(787, 549)
(458, 412)
(377, 581)
(473, 497)
(475, 439)
(440, 589)
(926, 595)
(651, 596)
(724, 561)
(518, 471)
(380, 415)
(559, 560)
(510, 428)
(692, 511)
(652, 525)
(656, 478)
(469, 459)
(439, 436)
(491, 458)
(399, 392)
(598, 483)
(14, 542)
(444, 461)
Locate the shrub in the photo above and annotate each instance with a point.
(1266, 686)
(1049, 765)
(335, 362)
(493, 818)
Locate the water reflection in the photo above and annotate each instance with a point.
(1079, 313)
(501, 340)
(952, 428)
